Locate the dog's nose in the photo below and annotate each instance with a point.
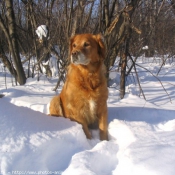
(74, 53)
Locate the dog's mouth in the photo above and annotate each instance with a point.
(79, 58)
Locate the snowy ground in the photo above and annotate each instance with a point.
(142, 133)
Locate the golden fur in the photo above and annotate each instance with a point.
(84, 95)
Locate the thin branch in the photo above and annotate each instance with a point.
(137, 76)
(157, 79)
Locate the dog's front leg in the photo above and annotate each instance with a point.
(86, 131)
(85, 127)
(103, 126)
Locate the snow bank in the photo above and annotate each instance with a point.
(32, 141)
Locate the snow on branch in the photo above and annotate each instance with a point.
(42, 31)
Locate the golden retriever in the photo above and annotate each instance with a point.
(84, 95)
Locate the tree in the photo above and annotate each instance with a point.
(10, 32)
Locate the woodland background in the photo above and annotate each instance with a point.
(126, 25)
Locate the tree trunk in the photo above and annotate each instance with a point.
(21, 78)
(124, 53)
(122, 78)
(6, 62)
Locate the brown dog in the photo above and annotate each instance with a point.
(84, 95)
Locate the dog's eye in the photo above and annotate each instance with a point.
(74, 45)
(86, 44)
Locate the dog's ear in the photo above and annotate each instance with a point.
(101, 46)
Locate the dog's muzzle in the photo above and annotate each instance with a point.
(79, 58)
(75, 56)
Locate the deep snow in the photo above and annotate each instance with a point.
(142, 133)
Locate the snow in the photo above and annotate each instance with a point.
(42, 31)
(53, 66)
(145, 48)
(141, 133)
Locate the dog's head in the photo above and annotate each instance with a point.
(86, 48)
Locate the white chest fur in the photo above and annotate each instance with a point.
(92, 106)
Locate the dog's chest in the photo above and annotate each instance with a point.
(92, 106)
(89, 82)
(93, 80)
(89, 110)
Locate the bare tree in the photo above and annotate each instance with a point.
(126, 25)
(10, 32)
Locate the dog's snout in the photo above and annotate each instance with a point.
(74, 56)
(74, 59)
(74, 53)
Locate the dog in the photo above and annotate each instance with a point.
(84, 95)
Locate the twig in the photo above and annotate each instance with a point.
(157, 79)
(137, 76)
